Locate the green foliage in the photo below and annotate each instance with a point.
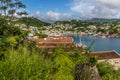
(9, 7)
(30, 21)
(41, 35)
(93, 59)
(21, 65)
(12, 41)
(104, 68)
(77, 57)
(10, 36)
(9, 30)
(107, 71)
(88, 49)
(4, 27)
(108, 76)
(65, 62)
(64, 67)
(102, 20)
(27, 63)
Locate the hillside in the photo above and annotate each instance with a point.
(102, 20)
(31, 21)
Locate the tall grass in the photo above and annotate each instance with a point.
(30, 63)
(20, 65)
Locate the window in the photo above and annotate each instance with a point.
(116, 62)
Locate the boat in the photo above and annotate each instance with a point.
(103, 36)
(80, 44)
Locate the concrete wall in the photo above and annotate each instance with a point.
(114, 62)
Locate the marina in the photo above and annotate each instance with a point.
(101, 44)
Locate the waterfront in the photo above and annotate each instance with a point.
(101, 44)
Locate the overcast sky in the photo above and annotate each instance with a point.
(54, 10)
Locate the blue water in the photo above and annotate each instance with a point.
(101, 44)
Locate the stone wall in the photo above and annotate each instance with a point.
(86, 71)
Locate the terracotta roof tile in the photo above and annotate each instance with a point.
(105, 54)
(54, 40)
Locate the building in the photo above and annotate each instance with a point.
(110, 56)
(51, 42)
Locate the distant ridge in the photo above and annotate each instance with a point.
(102, 20)
(31, 21)
(93, 20)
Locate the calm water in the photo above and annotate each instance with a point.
(101, 44)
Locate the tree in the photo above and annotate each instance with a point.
(104, 68)
(93, 59)
(62, 65)
(108, 76)
(10, 8)
(4, 6)
(10, 36)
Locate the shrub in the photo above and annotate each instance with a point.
(23, 66)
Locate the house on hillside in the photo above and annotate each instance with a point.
(110, 56)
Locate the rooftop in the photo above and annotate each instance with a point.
(106, 54)
(55, 40)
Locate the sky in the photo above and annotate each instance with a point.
(58, 10)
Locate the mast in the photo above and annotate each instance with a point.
(80, 40)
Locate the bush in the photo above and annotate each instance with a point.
(23, 66)
(104, 68)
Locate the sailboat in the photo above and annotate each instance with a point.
(80, 44)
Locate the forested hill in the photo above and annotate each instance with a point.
(62, 22)
(69, 22)
(102, 20)
(31, 21)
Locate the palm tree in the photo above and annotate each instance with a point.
(19, 4)
(4, 6)
(0, 7)
(10, 6)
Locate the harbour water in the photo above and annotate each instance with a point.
(101, 44)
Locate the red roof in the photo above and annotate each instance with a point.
(54, 40)
(106, 54)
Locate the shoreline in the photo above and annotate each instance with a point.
(96, 35)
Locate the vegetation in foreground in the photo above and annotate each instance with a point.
(29, 63)
(20, 60)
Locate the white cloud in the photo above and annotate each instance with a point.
(97, 8)
(55, 16)
(52, 16)
(37, 14)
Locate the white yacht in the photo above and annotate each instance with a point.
(103, 36)
(80, 44)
